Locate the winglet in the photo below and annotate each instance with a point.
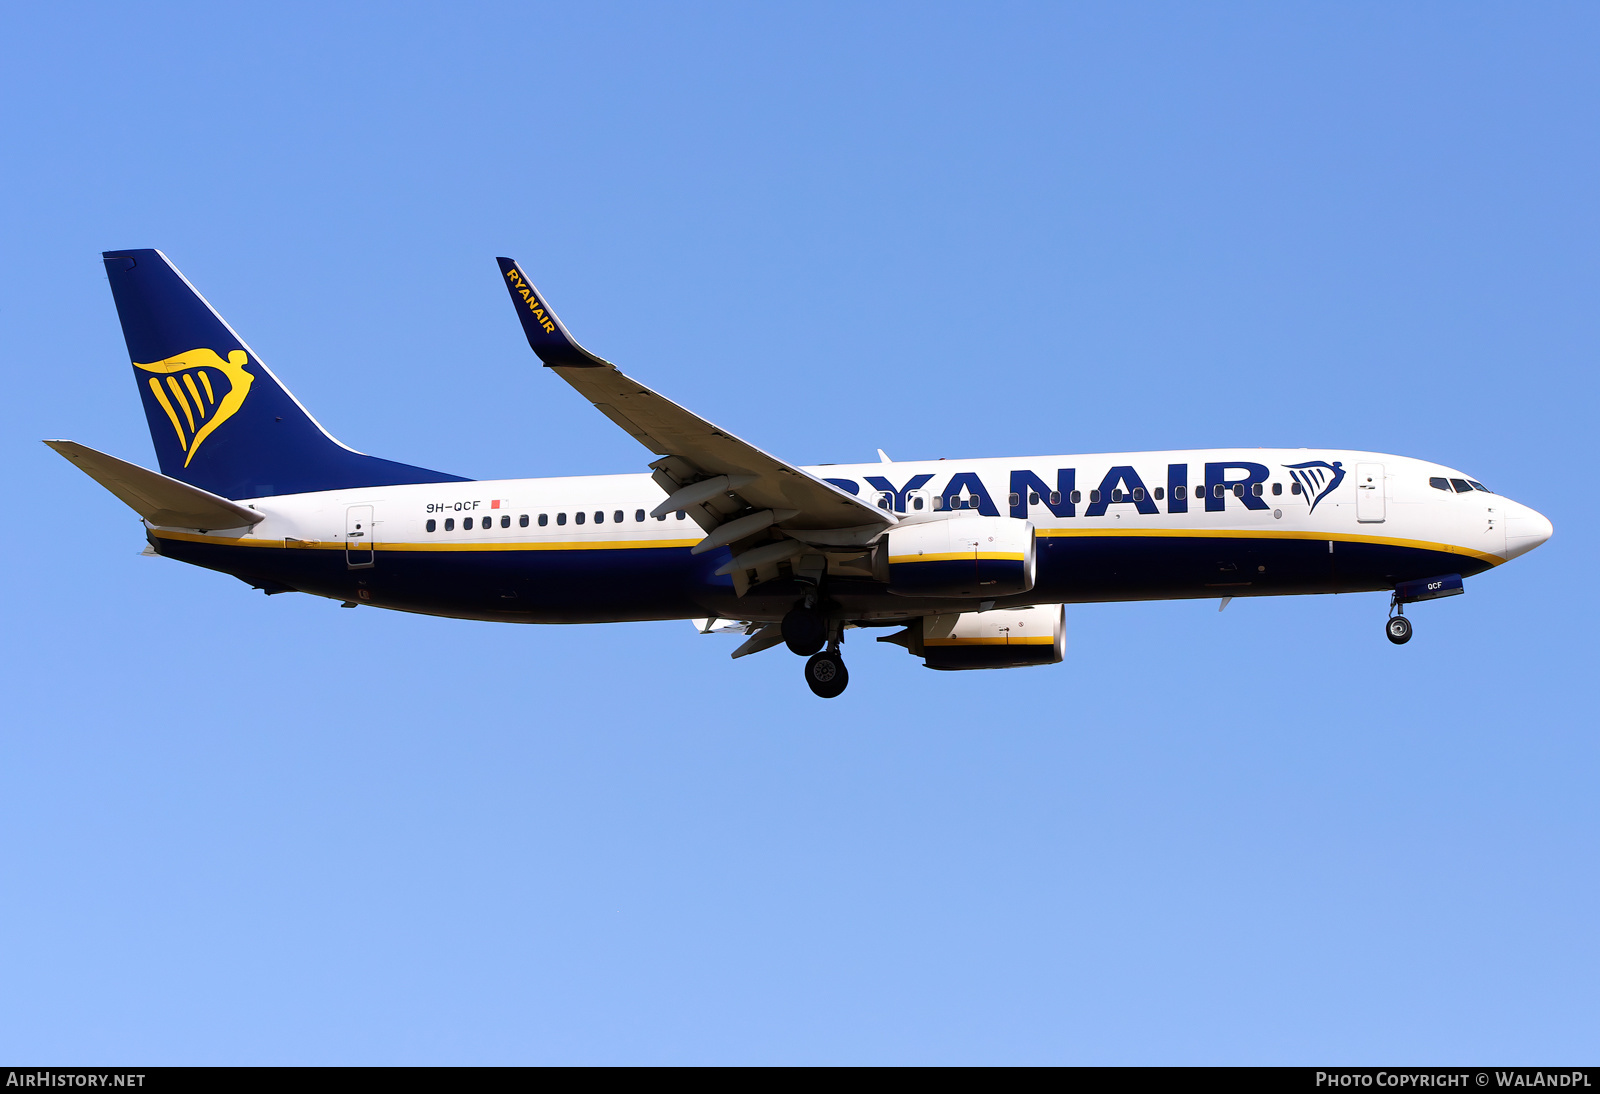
(549, 339)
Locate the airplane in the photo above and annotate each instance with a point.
(968, 562)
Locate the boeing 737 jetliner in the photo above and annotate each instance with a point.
(967, 562)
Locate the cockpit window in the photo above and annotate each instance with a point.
(1462, 486)
(1439, 484)
(1476, 485)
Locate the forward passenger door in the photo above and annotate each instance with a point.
(1369, 493)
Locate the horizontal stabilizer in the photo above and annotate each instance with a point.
(156, 497)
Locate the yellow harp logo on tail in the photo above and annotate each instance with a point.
(199, 391)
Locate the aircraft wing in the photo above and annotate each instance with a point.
(704, 469)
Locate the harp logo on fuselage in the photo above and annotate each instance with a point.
(199, 391)
(1317, 478)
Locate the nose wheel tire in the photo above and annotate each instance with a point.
(826, 675)
(804, 631)
(1398, 629)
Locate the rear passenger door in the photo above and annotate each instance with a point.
(359, 550)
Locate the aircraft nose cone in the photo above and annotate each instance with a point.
(1525, 530)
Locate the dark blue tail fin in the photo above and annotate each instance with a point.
(219, 419)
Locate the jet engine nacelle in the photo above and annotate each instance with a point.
(999, 639)
(961, 556)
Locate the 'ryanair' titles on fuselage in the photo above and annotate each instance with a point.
(1174, 491)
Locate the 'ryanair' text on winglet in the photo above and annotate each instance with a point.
(549, 339)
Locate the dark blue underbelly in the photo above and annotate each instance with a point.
(596, 586)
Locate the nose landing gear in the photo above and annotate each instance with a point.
(1398, 629)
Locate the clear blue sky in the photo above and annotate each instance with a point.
(235, 829)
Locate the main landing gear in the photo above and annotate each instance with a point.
(826, 674)
(806, 629)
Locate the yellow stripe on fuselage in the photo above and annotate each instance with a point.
(956, 556)
(1031, 640)
(1264, 533)
(339, 544)
(663, 544)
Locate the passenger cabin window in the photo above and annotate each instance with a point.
(916, 502)
(1439, 483)
(466, 524)
(1216, 491)
(1180, 493)
(505, 521)
(1094, 495)
(522, 521)
(449, 524)
(1077, 496)
(1033, 498)
(616, 518)
(1055, 497)
(1016, 499)
(682, 515)
(578, 518)
(544, 519)
(1256, 489)
(561, 518)
(1116, 495)
(432, 525)
(1294, 488)
(638, 515)
(1138, 493)
(1160, 492)
(1277, 488)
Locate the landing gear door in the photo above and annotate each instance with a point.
(1369, 493)
(359, 549)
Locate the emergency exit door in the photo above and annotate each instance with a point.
(359, 550)
(1369, 493)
